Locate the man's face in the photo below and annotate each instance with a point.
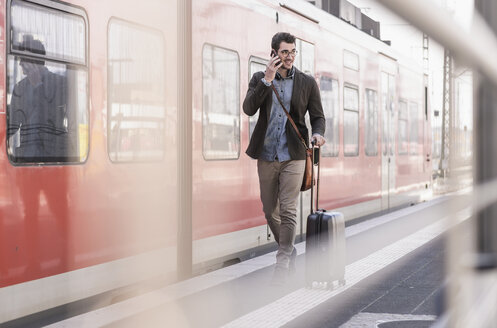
(287, 53)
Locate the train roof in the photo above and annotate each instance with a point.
(312, 19)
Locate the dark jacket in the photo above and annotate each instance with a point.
(305, 97)
(42, 116)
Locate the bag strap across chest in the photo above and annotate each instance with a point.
(289, 117)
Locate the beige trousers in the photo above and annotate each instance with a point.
(280, 186)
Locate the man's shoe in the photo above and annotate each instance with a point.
(293, 261)
(280, 276)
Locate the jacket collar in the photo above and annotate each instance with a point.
(290, 75)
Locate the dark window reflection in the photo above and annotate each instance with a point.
(46, 108)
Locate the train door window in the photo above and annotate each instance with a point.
(391, 100)
(331, 104)
(255, 65)
(305, 59)
(371, 123)
(221, 103)
(413, 128)
(385, 107)
(135, 75)
(351, 121)
(403, 128)
(47, 83)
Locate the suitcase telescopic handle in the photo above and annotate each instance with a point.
(314, 147)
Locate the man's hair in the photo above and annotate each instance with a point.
(29, 44)
(281, 37)
(32, 45)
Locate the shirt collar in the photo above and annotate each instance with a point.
(289, 76)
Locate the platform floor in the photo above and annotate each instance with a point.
(394, 278)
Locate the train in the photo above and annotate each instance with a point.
(95, 208)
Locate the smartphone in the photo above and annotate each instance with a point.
(274, 54)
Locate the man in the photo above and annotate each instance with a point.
(279, 152)
(39, 126)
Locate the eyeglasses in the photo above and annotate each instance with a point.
(286, 53)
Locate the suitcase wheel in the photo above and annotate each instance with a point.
(317, 285)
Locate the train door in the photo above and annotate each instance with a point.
(388, 138)
(257, 64)
(305, 63)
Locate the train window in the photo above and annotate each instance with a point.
(402, 128)
(351, 121)
(221, 103)
(255, 66)
(413, 128)
(331, 104)
(350, 60)
(135, 77)
(371, 123)
(47, 84)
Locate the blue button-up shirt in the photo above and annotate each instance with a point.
(275, 143)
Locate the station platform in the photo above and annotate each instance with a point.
(394, 278)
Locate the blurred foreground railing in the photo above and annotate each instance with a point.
(472, 283)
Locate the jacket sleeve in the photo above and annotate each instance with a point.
(256, 94)
(315, 108)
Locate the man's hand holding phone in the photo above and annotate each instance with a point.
(272, 67)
